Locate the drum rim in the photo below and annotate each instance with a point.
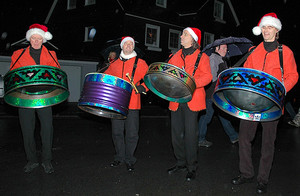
(96, 73)
(245, 115)
(46, 102)
(87, 107)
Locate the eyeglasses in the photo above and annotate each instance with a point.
(36, 38)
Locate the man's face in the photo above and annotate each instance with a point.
(36, 41)
(222, 50)
(186, 39)
(269, 33)
(128, 47)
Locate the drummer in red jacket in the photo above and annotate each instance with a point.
(128, 64)
(184, 116)
(265, 57)
(36, 54)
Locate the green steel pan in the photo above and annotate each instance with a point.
(35, 86)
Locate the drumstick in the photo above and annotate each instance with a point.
(132, 83)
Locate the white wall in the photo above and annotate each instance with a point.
(75, 70)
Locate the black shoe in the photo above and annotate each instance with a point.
(261, 188)
(30, 166)
(176, 168)
(48, 168)
(115, 163)
(241, 180)
(130, 167)
(190, 176)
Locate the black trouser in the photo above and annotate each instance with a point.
(27, 121)
(126, 142)
(185, 136)
(246, 135)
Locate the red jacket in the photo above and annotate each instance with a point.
(202, 77)
(269, 62)
(119, 69)
(27, 60)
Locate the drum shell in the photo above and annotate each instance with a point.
(35, 86)
(105, 95)
(170, 82)
(249, 94)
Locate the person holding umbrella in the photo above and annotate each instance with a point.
(217, 65)
(184, 116)
(265, 57)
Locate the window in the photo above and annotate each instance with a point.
(161, 3)
(89, 34)
(218, 10)
(71, 4)
(152, 36)
(89, 2)
(174, 39)
(208, 38)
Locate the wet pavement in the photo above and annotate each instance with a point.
(83, 149)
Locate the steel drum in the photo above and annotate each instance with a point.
(170, 82)
(35, 86)
(249, 94)
(105, 95)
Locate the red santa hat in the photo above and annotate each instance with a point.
(125, 39)
(195, 33)
(269, 19)
(41, 30)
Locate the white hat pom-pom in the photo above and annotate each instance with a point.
(256, 30)
(48, 35)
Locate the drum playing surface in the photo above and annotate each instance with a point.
(170, 82)
(249, 94)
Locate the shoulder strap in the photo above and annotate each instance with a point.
(197, 62)
(281, 60)
(171, 55)
(237, 64)
(134, 68)
(53, 58)
(18, 58)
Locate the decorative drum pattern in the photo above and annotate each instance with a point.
(249, 94)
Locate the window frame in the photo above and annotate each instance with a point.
(161, 3)
(71, 4)
(154, 46)
(218, 11)
(169, 40)
(87, 31)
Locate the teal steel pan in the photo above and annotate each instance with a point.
(35, 86)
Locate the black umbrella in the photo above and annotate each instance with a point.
(114, 45)
(235, 46)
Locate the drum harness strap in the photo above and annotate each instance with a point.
(280, 60)
(134, 68)
(23, 53)
(197, 62)
(252, 49)
(18, 58)
(53, 58)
